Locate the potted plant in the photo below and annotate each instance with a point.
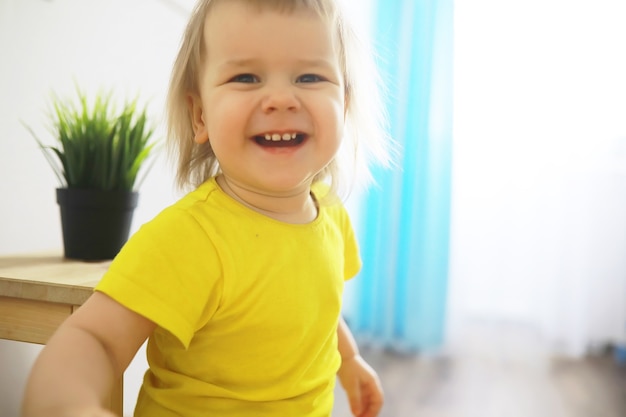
(97, 157)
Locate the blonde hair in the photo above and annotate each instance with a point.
(365, 137)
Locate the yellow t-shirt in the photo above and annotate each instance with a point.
(246, 307)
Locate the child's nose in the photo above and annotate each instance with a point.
(280, 98)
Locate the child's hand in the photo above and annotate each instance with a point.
(362, 387)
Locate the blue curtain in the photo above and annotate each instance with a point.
(399, 298)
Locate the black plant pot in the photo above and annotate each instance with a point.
(95, 223)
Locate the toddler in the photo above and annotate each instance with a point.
(237, 286)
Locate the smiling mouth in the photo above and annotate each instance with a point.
(280, 140)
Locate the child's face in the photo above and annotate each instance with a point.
(267, 76)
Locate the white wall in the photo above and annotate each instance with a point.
(539, 201)
(45, 46)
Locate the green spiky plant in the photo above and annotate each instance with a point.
(97, 147)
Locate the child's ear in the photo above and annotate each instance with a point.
(201, 134)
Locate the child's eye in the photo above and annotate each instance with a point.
(244, 78)
(310, 78)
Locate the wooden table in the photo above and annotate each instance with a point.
(38, 292)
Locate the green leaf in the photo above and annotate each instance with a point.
(97, 147)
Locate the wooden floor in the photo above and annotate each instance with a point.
(499, 372)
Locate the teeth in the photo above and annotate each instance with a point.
(276, 136)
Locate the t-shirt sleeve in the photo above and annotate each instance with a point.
(169, 272)
(352, 257)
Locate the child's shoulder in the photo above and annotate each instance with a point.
(204, 192)
(329, 201)
(324, 194)
(188, 207)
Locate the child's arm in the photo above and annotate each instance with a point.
(358, 379)
(75, 371)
